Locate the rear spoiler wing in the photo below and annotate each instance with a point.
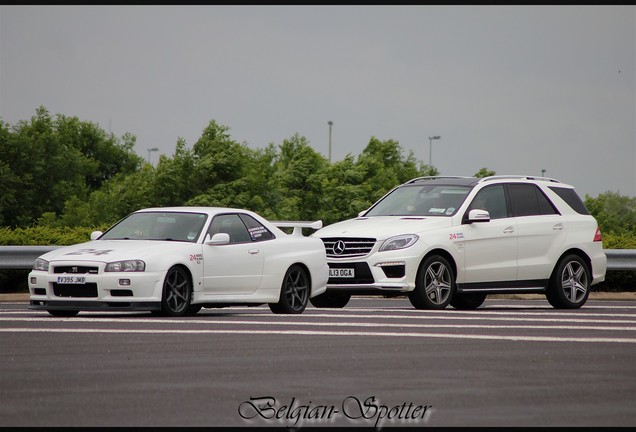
(298, 225)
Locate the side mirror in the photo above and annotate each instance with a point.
(96, 234)
(478, 215)
(217, 239)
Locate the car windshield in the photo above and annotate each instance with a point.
(175, 226)
(418, 200)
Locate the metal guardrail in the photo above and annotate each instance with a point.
(621, 259)
(22, 257)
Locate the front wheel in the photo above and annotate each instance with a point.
(294, 292)
(435, 284)
(177, 292)
(569, 286)
(330, 300)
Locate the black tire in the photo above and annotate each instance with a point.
(435, 284)
(194, 309)
(569, 285)
(63, 313)
(294, 292)
(330, 300)
(467, 301)
(177, 292)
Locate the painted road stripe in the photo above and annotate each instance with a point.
(316, 324)
(329, 333)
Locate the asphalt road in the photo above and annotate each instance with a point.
(377, 362)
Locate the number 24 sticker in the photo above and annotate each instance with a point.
(456, 236)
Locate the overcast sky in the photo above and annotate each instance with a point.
(515, 89)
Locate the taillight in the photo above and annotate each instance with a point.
(598, 236)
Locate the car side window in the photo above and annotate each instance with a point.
(230, 224)
(528, 200)
(256, 229)
(491, 199)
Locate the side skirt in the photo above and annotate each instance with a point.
(505, 287)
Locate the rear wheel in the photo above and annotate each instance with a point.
(294, 292)
(177, 292)
(466, 301)
(435, 284)
(330, 300)
(569, 286)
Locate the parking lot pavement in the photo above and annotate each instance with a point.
(616, 296)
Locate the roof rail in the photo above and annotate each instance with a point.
(522, 177)
(436, 177)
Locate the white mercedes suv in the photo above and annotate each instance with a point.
(454, 240)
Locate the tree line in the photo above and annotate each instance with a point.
(61, 172)
(63, 177)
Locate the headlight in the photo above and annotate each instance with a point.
(41, 264)
(399, 242)
(126, 266)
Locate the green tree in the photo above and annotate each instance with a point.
(46, 161)
(484, 172)
(297, 180)
(614, 213)
(384, 166)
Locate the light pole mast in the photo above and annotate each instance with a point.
(430, 149)
(151, 150)
(330, 123)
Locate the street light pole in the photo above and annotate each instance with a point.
(330, 123)
(151, 150)
(430, 149)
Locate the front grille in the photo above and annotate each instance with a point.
(348, 247)
(72, 290)
(75, 269)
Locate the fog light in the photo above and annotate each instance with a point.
(390, 263)
(34, 280)
(124, 282)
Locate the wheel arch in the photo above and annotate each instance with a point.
(187, 270)
(444, 253)
(573, 251)
(307, 272)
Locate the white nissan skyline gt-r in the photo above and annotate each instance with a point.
(177, 260)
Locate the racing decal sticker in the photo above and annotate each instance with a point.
(196, 257)
(90, 252)
(257, 232)
(458, 236)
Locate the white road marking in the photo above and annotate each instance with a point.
(327, 333)
(317, 324)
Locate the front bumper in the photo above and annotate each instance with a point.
(101, 291)
(93, 305)
(377, 273)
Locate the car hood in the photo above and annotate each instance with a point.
(383, 227)
(113, 250)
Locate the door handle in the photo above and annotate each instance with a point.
(508, 230)
(253, 251)
(558, 227)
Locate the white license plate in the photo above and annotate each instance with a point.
(341, 273)
(71, 279)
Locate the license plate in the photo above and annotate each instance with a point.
(71, 279)
(341, 273)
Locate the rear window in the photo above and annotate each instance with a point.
(571, 198)
(528, 200)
